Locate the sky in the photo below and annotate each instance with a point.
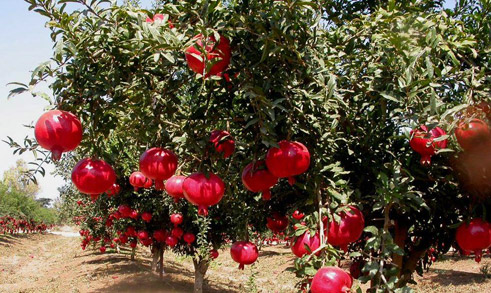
(25, 44)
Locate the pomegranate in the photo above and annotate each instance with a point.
(297, 215)
(202, 191)
(291, 159)
(422, 142)
(177, 232)
(348, 230)
(137, 180)
(158, 164)
(173, 186)
(124, 210)
(148, 183)
(303, 240)
(277, 223)
(58, 131)
(147, 217)
(133, 244)
(160, 235)
(142, 235)
(130, 231)
(214, 253)
(102, 249)
(257, 178)
(223, 142)
(217, 53)
(171, 241)
(113, 190)
(176, 219)
(134, 214)
(93, 177)
(474, 237)
(331, 280)
(472, 134)
(244, 253)
(123, 239)
(189, 238)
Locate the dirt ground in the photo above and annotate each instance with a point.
(55, 263)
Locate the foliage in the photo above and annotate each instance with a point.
(348, 86)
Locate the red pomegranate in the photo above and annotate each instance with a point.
(102, 249)
(148, 183)
(142, 235)
(58, 131)
(244, 253)
(223, 142)
(92, 176)
(130, 231)
(257, 178)
(177, 232)
(297, 215)
(291, 159)
(171, 241)
(203, 191)
(113, 190)
(303, 240)
(124, 210)
(158, 164)
(176, 219)
(123, 239)
(474, 237)
(160, 235)
(214, 253)
(277, 223)
(472, 134)
(173, 186)
(133, 244)
(348, 230)
(331, 280)
(218, 53)
(147, 217)
(422, 142)
(134, 214)
(189, 238)
(137, 180)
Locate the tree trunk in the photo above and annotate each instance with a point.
(200, 269)
(133, 251)
(161, 262)
(400, 240)
(410, 266)
(155, 258)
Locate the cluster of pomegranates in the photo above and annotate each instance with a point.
(12, 225)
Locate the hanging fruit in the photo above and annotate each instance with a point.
(223, 142)
(176, 219)
(113, 190)
(331, 280)
(257, 178)
(58, 131)
(349, 228)
(244, 253)
(422, 142)
(289, 160)
(474, 236)
(158, 164)
(303, 240)
(203, 191)
(93, 176)
(216, 59)
(472, 134)
(277, 223)
(189, 238)
(173, 186)
(297, 215)
(137, 180)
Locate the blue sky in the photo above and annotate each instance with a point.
(25, 44)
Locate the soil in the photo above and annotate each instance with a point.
(55, 263)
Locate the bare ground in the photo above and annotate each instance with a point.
(54, 263)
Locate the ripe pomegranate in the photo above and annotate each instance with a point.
(123, 239)
(202, 191)
(422, 142)
(137, 180)
(58, 131)
(257, 178)
(303, 240)
(214, 253)
(291, 159)
(177, 232)
(173, 186)
(176, 219)
(223, 142)
(189, 238)
(93, 176)
(125, 211)
(348, 230)
(472, 134)
(133, 244)
(147, 217)
(130, 232)
(474, 237)
(297, 215)
(113, 190)
(158, 164)
(277, 223)
(331, 280)
(142, 235)
(160, 235)
(148, 184)
(134, 214)
(244, 253)
(171, 241)
(217, 53)
(102, 249)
